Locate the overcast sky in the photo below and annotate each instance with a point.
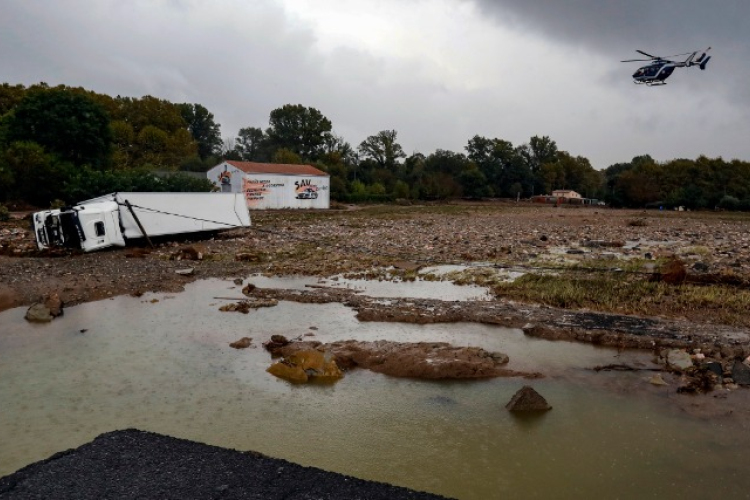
(436, 71)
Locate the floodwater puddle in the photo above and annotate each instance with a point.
(167, 367)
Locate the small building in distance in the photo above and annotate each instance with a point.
(273, 185)
(565, 193)
(565, 197)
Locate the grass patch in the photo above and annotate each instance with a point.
(631, 294)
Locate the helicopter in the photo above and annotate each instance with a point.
(661, 68)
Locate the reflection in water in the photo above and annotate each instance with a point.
(167, 367)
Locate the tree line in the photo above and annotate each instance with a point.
(67, 144)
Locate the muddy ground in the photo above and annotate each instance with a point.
(363, 241)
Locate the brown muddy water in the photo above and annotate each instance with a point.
(162, 363)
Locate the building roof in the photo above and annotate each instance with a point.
(251, 167)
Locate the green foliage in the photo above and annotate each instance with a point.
(703, 183)
(383, 149)
(65, 122)
(299, 129)
(203, 129)
(474, 183)
(729, 203)
(251, 144)
(4, 213)
(401, 190)
(287, 157)
(37, 176)
(87, 183)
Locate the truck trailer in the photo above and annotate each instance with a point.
(117, 218)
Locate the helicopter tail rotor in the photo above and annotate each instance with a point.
(701, 61)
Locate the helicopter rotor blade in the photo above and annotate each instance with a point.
(634, 60)
(646, 54)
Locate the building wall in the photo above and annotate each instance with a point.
(264, 191)
(566, 193)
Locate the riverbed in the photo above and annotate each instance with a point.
(162, 363)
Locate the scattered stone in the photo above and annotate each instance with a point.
(575, 251)
(54, 304)
(38, 313)
(238, 281)
(193, 252)
(527, 399)
(657, 379)
(243, 343)
(740, 373)
(275, 344)
(137, 253)
(244, 306)
(715, 367)
(189, 271)
(679, 360)
(700, 267)
(247, 257)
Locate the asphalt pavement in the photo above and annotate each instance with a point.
(133, 464)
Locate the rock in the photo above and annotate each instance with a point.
(715, 367)
(310, 364)
(672, 272)
(275, 344)
(527, 399)
(243, 343)
(38, 313)
(189, 271)
(657, 380)
(289, 372)
(740, 373)
(700, 267)
(54, 304)
(193, 252)
(238, 281)
(679, 359)
(575, 251)
(247, 257)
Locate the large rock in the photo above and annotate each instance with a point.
(302, 366)
(679, 360)
(527, 399)
(740, 373)
(38, 313)
(46, 310)
(54, 304)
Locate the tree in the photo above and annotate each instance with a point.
(502, 165)
(66, 123)
(251, 144)
(538, 151)
(474, 183)
(299, 129)
(383, 149)
(286, 157)
(205, 132)
(39, 177)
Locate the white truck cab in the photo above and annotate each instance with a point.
(88, 227)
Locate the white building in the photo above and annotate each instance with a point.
(565, 193)
(274, 185)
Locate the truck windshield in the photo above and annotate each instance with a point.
(66, 229)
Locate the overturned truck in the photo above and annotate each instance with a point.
(116, 218)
